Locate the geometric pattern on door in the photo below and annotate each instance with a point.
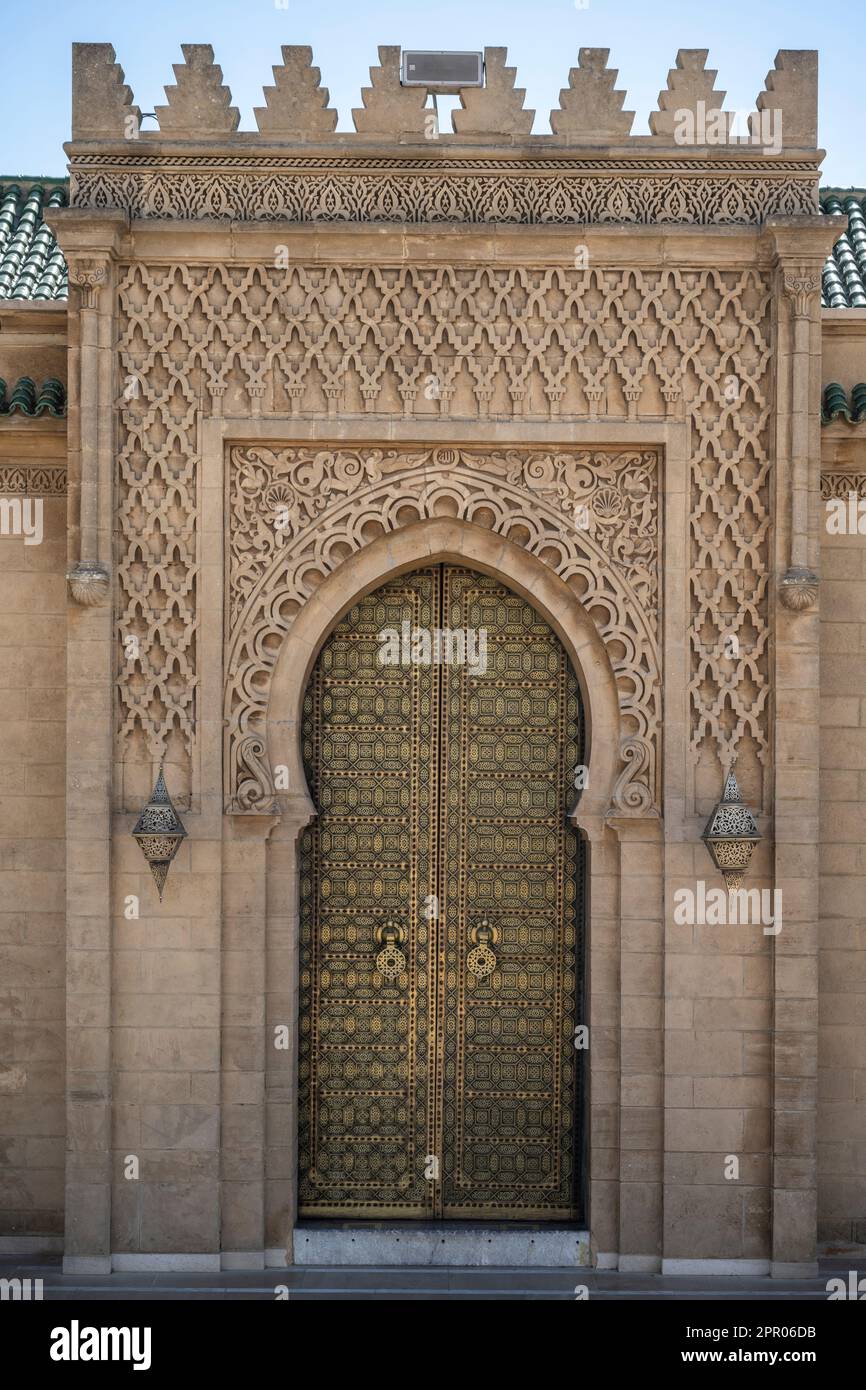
(441, 914)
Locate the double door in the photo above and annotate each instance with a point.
(440, 984)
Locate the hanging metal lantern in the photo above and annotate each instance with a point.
(159, 831)
(731, 834)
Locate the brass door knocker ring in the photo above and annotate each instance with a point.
(390, 960)
(481, 960)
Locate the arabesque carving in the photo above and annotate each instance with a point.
(842, 484)
(296, 513)
(321, 189)
(33, 480)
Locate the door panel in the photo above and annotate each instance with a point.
(512, 736)
(370, 738)
(442, 794)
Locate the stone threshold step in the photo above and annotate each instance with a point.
(440, 1244)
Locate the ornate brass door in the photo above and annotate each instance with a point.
(440, 913)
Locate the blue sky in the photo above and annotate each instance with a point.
(542, 36)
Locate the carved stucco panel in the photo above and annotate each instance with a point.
(840, 484)
(33, 480)
(445, 341)
(296, 513)
(380, 192)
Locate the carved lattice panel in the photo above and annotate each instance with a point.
(522, 343)
(442, 797)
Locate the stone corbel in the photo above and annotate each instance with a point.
(255, 792)
(255, 827)
(632, 795)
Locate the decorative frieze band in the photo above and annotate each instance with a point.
(183, 189)
(842, 484)
(32, 480)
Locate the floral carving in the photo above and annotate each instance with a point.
(841, 484)
(379, 193)
(34, 480)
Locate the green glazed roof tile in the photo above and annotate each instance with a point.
(31, 262)
(837, 403)
(844, 278)
(24, 399)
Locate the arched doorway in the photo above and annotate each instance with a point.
(441, 910)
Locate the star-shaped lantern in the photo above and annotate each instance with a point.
(159, 831)
(731, 834)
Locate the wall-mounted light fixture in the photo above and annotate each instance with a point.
(159, 831)
(731, 834)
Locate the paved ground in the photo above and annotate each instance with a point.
(324, 1282)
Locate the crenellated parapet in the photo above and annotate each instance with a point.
(691, 88)
(699, 163)
(589, 107)
(198, 103)
(297, 105)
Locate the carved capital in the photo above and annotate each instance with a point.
(801, 286)
(88, 276)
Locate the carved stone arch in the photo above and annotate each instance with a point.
(452, 541)
(522, 506)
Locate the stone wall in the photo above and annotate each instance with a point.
(842, 790)
(32, 830)
(197, 347)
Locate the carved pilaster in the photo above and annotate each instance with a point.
(801, 286)
(89, 243)
(793, 835)
(88, 578)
